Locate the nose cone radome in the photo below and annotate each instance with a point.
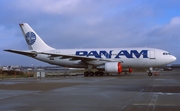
(173, 58)
(170, 59)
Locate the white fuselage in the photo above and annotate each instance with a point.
(129, 57)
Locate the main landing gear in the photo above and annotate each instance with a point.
(90, 73)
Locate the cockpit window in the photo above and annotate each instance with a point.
(166, 53)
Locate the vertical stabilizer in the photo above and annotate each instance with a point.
(33, 40)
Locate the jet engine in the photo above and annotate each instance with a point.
(114, 67)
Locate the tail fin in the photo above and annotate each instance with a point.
(33, 40)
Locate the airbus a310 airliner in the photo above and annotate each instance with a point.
(105, 60)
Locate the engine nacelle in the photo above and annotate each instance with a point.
(114, 67)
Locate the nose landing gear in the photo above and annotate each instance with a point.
(153, 72)
(150, 73)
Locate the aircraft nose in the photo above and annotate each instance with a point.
(173, 58)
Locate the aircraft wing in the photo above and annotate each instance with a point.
(26, 53)
(32, 53)
(75, 57)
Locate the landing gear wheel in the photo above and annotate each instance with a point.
(96, 73)
(91, 73)
(86, 74)
(101, 73)
(150, 74)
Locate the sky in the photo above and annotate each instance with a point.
(89, 24)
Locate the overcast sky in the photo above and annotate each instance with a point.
(90, 24)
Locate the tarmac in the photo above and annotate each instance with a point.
(135, 92)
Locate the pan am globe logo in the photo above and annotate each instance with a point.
(30, 38)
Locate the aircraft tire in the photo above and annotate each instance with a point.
(96, 73)
(150, 74)
(101, 73)
(91, 73)
(86, 74)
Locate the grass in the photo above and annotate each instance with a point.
(6, 75)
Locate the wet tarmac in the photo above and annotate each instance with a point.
(136, 92)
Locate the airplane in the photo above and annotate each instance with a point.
(103, 60)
